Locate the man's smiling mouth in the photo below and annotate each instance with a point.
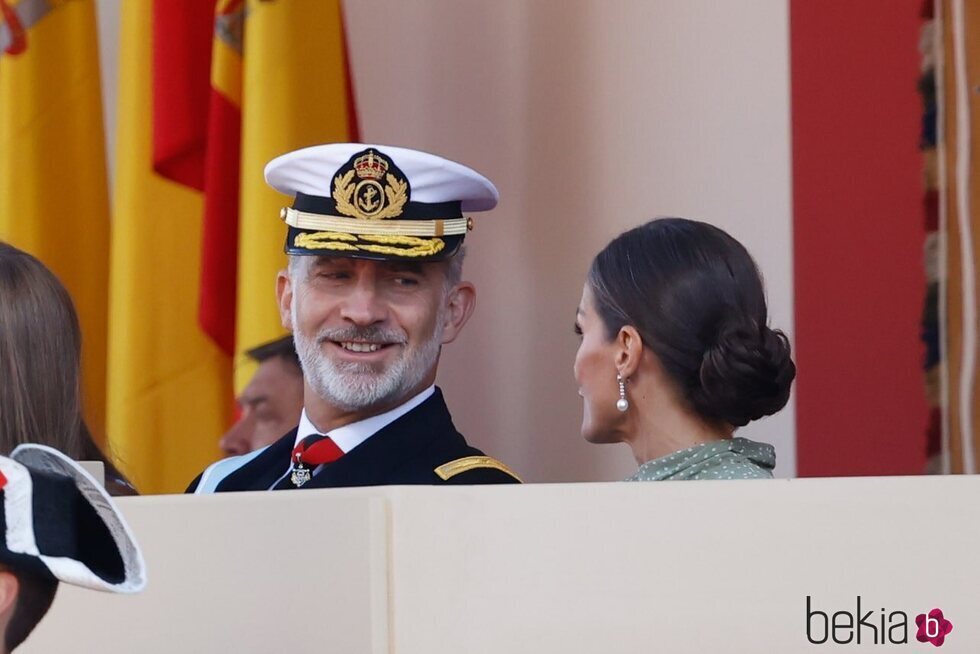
(361, 347)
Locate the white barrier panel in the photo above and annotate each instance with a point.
(671, 567)
(682, 567)
(248, 572)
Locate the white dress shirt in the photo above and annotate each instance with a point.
(350, 436)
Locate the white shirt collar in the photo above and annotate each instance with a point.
(350, 436)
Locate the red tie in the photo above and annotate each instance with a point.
(316, 449)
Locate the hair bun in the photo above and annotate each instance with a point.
(746, 375)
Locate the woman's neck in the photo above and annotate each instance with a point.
(665, 427)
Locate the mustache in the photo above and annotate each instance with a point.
(369, 334)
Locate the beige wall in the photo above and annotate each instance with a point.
(108, 14)
(591, 117)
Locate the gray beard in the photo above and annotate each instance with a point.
(352, 386)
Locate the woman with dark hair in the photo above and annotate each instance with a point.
(40, 376)
(677, 353)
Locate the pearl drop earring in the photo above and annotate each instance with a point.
(622, 403)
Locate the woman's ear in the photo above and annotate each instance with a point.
(629, 351)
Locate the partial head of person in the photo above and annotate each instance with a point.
(40, 365)
(676, 345)
(271, 402)
(373, 288)
(58, 525)
(40, 352)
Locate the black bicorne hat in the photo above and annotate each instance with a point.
(57, 521)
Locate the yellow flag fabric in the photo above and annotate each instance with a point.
(53, 192)
(169, 385)
(295, 94)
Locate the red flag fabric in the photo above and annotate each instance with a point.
(219, 256)
(182, 31)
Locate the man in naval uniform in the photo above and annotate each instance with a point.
(371, 293)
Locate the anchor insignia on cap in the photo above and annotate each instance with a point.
(368, 199)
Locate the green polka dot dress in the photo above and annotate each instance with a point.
(732, 458)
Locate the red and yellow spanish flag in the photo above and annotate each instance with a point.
(219, 274)
(278, 81)
(296, 92)
(53, 192)
(169, 383)
(272, 78)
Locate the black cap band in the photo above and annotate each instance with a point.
(411, 211)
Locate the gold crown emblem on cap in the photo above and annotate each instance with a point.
(368, 199)
(370, 166)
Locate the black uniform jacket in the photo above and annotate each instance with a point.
(420, 447)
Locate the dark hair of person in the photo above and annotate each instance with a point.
(40, 363)
(34, 597)
(284, 348)
(696, 298)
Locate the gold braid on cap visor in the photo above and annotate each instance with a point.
(405, 238)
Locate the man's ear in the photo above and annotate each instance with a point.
(9, 587)
(460, 304)
(284, 297)
(629, 351)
